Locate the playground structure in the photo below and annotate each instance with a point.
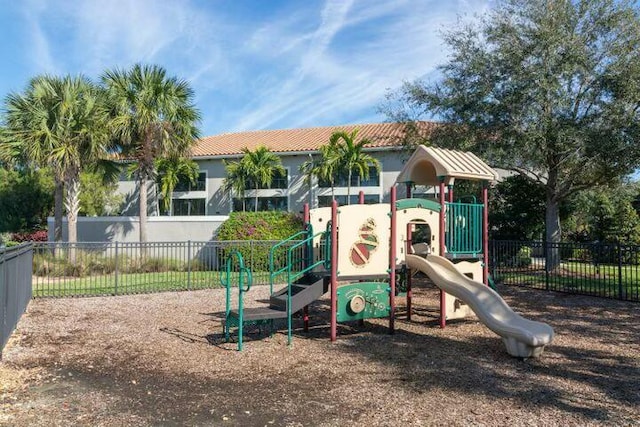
(358, 253)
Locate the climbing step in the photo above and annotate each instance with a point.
(259, 313)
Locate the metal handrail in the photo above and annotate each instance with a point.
(273, 274)
(291, 278)
(242, 271)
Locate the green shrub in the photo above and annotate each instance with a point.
(259, 226)
(250, 226)
(581, 254)
(523, 257)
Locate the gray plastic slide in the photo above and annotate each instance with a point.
(523, 337)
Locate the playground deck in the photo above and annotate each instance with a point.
(161, 359)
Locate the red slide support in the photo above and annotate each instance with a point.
(307, 219)
(443, 302)
(392, 263)
(408, 251)
(334, 270)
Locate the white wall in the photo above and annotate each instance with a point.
(159, 229)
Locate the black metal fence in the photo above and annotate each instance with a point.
(90, 269)
(599, 269)
(15, 287)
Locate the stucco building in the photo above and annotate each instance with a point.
(294, 146)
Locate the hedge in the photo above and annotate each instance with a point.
(274, 226)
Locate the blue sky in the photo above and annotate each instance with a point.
(253, 64)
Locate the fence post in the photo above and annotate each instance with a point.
(546, 264)
(251, 254)
(115, 288)
(189, 265)
(620, 287)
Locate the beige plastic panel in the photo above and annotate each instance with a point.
(416, 215)
(456, 308)
(319, 218)
(427, 164)
(363, 242)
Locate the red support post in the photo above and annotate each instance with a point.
(409, 187)
(334, 270)
(443, 302)
(450, 189)
(307, 219)
(408, 271)
(392, 263)
(361, 202)
(485, 233)
(408, 251)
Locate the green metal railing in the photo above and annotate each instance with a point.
(244, 285)
(464, 228)
(293, 273)
(274, 272)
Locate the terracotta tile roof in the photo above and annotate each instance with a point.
(296, 140)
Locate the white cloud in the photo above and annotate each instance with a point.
(301, 65)
(346, 65)
(40, 55)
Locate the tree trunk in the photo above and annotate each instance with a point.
(255, 208)
(143, 213)
(552, 233)
(349, 189)
(72, 204)
(57, 210)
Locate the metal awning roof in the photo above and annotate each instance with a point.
(428, 164)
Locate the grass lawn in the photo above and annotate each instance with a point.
(132, 283)
(602, 280)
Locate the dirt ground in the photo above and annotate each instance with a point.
(161, 360)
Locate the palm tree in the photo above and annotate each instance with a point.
(10, 150)
(261, 167)
(236, 179)
(152, 116)
(350, 157)
(30, 121)
(323, 167)
(60, 122)
(170, 171)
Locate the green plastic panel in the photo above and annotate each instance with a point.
(464, 228)
(418, 203)
(375, 296)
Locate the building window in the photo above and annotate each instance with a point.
(185, 185)
(188, 207)
(275, 203)
(369, 199)
(280, 181)
(187, 199)
(356, 181)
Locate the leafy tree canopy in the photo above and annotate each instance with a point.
(605, 215)
(26, 199)
(99, 198)
(548, 88)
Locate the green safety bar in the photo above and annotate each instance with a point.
(291, 276)
(273, 274)
(327, 247)
(245, 280)
(464, 228)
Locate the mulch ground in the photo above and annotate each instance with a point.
(161, 360)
